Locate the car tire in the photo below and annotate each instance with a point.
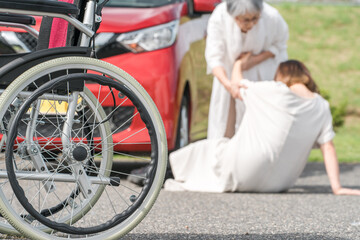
(183, 130)
(190, 5)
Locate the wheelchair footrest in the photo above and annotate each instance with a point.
(115, 181)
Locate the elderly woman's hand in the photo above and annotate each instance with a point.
(246, 61)
(235, 88)
(250, 60)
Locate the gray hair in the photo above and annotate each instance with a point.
(240, 7)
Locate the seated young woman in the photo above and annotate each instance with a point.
(284, 119)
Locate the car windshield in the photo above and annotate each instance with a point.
(139, 3)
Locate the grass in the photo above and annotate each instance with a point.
(326, 39)
(346, 142)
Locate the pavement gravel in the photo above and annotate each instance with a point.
(309, 210)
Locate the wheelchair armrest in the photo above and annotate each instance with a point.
(16, 18)
(45, 6)
(16, 64)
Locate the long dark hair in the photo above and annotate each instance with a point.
(297, 72)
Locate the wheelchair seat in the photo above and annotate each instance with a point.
(15, 18)
(40, 6)
(12, 65)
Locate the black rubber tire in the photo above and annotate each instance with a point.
(19, 191)
(180, 132)
(73, 63)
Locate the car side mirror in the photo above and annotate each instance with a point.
(201, 6)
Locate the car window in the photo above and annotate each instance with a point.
(139, 3)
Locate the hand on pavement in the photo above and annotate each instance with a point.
(347, 191)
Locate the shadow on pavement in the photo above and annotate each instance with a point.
(314, 189)
(174, 236)
(317, 169)
(126, 167)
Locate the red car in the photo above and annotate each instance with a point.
(161, 44)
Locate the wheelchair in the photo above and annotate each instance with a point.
(67, 118)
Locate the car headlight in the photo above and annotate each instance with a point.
(150, 39)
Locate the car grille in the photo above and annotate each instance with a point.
(120, 120)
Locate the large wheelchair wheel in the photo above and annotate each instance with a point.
(65, 120)
(47, 146)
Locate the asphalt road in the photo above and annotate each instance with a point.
(307, 211)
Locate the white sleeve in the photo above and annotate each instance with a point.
(215, 42)
(281, 36)
(327, 132)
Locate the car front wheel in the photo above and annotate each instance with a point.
(183, 136)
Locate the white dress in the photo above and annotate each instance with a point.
(225, 43)
(268, 152)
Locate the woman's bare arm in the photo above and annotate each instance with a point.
(254, 60)
(220, 73)
(332, 169)
(236, 77)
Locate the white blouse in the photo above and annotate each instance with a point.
(225, 43)
(268, 152)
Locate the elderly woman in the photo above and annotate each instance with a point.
(284, 119)
(237, 27)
